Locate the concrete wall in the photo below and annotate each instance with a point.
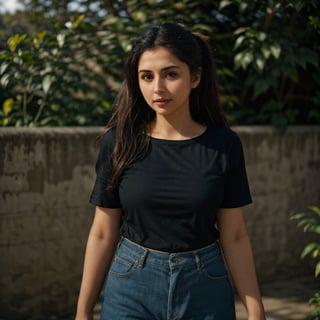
(46, 176)
(284, 175)
(45, 179)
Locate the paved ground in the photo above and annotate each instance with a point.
(283, 300)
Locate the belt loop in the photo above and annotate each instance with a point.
(119, 243)
(198, 261)
(142, 259)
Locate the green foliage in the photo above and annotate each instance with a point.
(267, 54)
(52, 78)
(310, 222)
(274, 49)
(315, 301)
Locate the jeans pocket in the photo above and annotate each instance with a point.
(122, 267)
(214, 269)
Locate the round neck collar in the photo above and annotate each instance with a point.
(180, 141)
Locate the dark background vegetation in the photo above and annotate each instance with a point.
(61, 61)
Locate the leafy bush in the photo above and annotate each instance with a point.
(267, 55)
(311, 223)
(53, 79)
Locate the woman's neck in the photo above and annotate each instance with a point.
(181, 129)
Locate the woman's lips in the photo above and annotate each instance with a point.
(161, 102)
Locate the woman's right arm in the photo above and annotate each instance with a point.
(102, 242)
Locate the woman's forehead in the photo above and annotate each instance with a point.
(159, 58)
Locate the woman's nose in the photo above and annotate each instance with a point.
(159, 85)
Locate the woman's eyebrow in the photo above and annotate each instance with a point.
(163, 69)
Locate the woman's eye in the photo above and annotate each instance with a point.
(172, 74)
(147, 77)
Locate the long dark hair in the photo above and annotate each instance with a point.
(132, 115)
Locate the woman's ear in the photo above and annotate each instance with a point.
(196, 77)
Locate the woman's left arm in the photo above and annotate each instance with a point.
(237, 250)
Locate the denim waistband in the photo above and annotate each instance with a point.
(141, 254)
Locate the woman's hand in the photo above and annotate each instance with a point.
(102, 242)
(236, 247)
(84, 317)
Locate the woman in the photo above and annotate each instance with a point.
(169, 192)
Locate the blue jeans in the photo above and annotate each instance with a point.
(144, 284)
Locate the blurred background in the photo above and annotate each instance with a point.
(61, 61)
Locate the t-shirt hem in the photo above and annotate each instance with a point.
(103, 204)
(238, 205)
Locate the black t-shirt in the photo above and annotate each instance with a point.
(171, 196)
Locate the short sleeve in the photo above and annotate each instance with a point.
(100, 196)
(236, 188)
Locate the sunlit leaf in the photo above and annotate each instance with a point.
(140, 16)
(4, 80)
(41, 35)
(46, 83)
(68, 25)
(261, 36)
(316, 210)
(76, 23)
(61, 38)
(239, 30)
(202, 28)
(243, 59)
(7, 106)
(266, 52)
(314, 22)
(298, 216)
(275, 50)
(243, 6)
(106, 104)
(309, 249)
(260, 62)
(4, 122)
(239, 41)
(315, 253)
(15, 40)
(317, 269)
(3, 67)
(224, 4)
(38, 39)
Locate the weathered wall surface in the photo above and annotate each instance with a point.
(284, 175)
(46, 176)
(45, 179)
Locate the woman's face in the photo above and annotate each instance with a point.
(165, 82)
